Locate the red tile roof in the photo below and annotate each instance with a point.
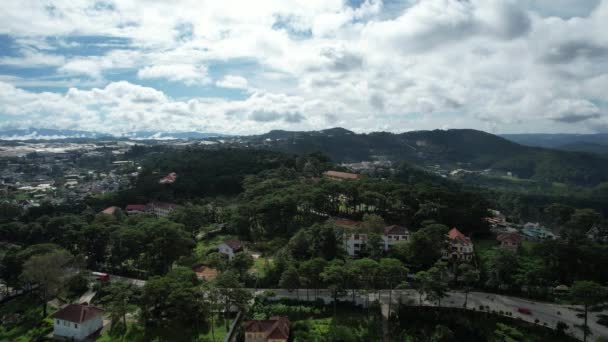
(510, 237)
(168, 179)
(455, 234)
(78, 313)
(140, 207)
(110, 210)
(205, 272)
(395, 230)
(273, 328)
(341, 175)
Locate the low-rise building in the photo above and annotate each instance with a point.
(230, 248)
(77, 322)
(356, 240)
(598, 233)
(510, 241)
(340, 176)
(133, 209)
(110, 210)
(536, 232)
(275, 329)
(160, 209)
(460, 247)
(205, 273)
(168, 179)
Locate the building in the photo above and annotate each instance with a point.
(598, 233)
(230, 248)
(510, 241)
(340, 176)
(133, 209)
(535, 232)
(205, 273)
(110, 210)
(77, 322)
(356, 241)
(168, 179)
(460, 247)
(275, 329)
(160, 209)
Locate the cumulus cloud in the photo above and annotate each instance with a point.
(501, 65)
(232, 81)
(186, 73)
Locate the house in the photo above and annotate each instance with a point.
(275, 329)
(205, 273)
(355, 241)
(133, 209)
(230, 248)
(160, 209)
(110, 210)
(340, 176)
(598, 234)
(168, 179)
(77, 322)
(460, 247)
(535, 232)
(510, 241)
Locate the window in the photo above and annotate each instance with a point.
(75, 325)
(58, 322)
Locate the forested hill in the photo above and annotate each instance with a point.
(458, 148)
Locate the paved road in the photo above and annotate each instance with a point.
(545, 312)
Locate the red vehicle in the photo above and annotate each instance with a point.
(101, 276)
(524, 311)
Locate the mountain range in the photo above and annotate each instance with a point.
(592, 143)
(466, 149)
(457, 148)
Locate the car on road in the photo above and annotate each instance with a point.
(524, 311)
(101, 276)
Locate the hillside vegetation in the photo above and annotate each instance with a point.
(459, 148)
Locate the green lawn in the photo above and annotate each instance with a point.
(29, 324)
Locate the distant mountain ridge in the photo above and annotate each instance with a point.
(457, 148)
(592, 143)
(61, 134)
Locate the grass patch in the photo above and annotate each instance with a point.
(261, 266)
(205, 246)
(219, 331)
(316, 322)
(22, 320)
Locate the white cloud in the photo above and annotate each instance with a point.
(186, 73)
(33, 59)
(232, 81)
(506, 65)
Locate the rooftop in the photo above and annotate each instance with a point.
(78, 313)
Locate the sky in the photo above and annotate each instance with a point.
(247, 67)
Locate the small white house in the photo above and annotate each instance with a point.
(77, 322)
(230, 248)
